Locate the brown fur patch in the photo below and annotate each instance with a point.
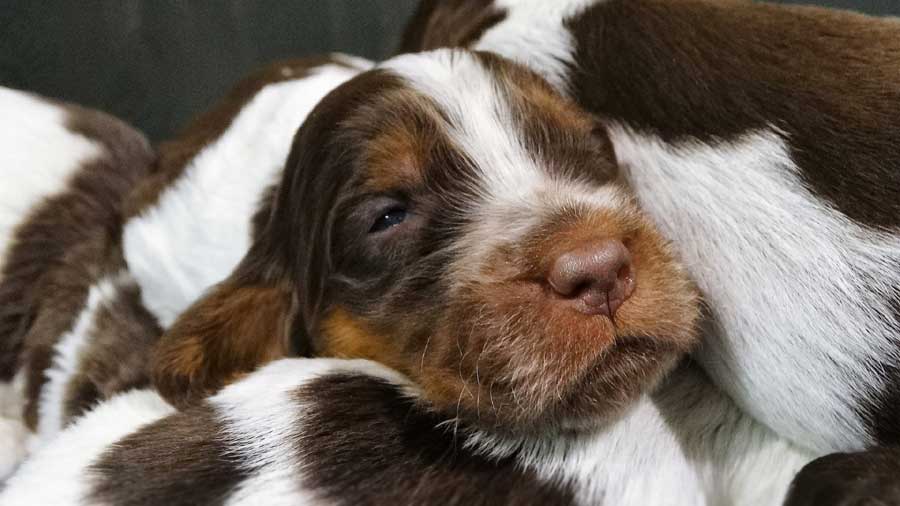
(365, 442)
(867, 477)
(395, 159)
(824, 77)
(349, 337)
(181, 460)
(229, 332)
(449, 23)
(114, 359)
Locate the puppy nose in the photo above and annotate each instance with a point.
(596, 277)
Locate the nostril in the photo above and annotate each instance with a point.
(597, 276)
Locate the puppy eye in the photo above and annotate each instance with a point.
(388, 219)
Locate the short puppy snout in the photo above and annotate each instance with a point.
(595, 277)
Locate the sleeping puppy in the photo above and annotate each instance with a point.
(470, 232)
(448, 216)
(761, 140)
(65, 172)
(105, 245)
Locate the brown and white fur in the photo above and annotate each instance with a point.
(103, 242)
(762, 140)
(65, 170)
(499, 391)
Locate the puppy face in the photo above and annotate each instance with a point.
(449, 215)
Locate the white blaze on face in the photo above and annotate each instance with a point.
(514, 192)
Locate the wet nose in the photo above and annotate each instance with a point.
(597, 277)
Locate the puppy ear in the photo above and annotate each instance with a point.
(240, 324)
(454, 23)
(268, 307)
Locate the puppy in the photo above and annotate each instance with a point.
(416, 214)
(105, 244)
(66, 170)
(761, 140)
(528, 318)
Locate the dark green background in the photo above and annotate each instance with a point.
(157, 62)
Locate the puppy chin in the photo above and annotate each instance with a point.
(535, 370)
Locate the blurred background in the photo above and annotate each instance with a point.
(155, 63)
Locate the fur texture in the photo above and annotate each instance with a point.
(75, 319)
(69, 168)
(199, 229)
(773, 172)
(659, 452)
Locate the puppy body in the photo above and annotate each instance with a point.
(66, 171)
(761, 139)
(102, 249)
(325, 431)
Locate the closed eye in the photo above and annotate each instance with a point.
(388, 219)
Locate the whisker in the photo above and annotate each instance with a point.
(425, 350)
(478, 381)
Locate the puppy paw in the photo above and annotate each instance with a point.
(13, 445)
(869, 478)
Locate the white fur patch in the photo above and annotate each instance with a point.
(635, 461)
(260, 416)
(201, 227)
(531, 24)
(38, 154)
(57, 473)
(480, 123)
(797, 290)
(685, 445)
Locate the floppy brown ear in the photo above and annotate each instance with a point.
(448, 23)
(237, 326)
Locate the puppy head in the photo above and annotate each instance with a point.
(449, 215)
